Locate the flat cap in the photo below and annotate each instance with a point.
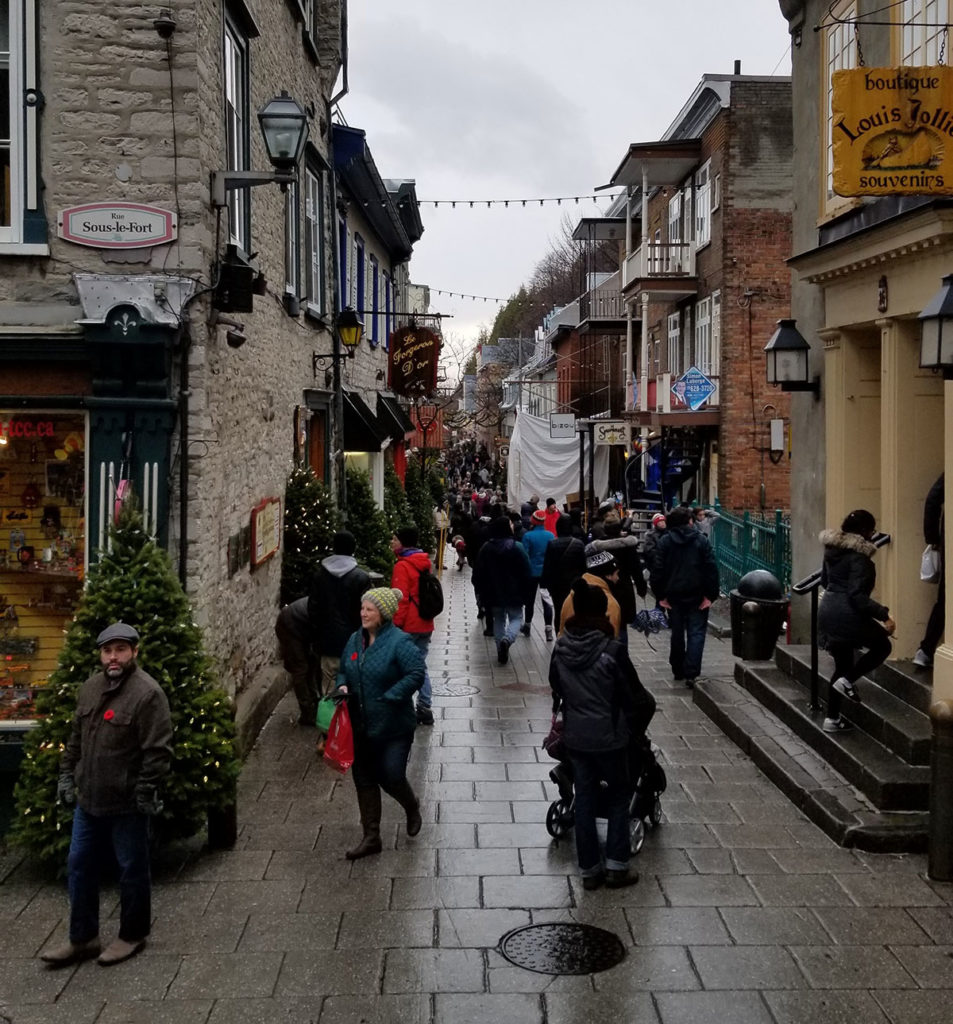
(118, 631)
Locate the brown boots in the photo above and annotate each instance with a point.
(369, 804)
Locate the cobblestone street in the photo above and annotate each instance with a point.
(745, 912)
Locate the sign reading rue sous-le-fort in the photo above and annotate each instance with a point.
(117, 225)
(893, 131)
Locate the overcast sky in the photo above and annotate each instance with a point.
(528, 99)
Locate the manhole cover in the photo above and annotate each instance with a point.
(562, 948)
(448, 689)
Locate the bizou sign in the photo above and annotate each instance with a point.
(117, 225)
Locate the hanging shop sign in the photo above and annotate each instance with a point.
(891, 131)
(562, 425)
(412, 362)
(117, 225)
(693, 389)
(609, 432)
(265, 530)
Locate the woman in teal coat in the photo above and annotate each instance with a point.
(381, 670)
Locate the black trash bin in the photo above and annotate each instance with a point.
(759, 608)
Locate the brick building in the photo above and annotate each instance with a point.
(185, 362)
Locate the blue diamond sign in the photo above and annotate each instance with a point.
(693, 389)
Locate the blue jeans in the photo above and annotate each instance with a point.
(381, 762)
(591, 769)
(507, 622)
(127, 835)
(422, 640)
(689, 626)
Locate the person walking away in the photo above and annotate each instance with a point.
(501, 578)
(934, 533)
(527, 509)
(848, 617)
(650, 541)
(411, 562)
(381, 670)
(625, 550)
(552, 515)
(295, 634)
(119, 750)
(601, 572)
(595, 684)
(575, 517)
(597, 530)
(684, 580)
(563, 564)
(535, 541)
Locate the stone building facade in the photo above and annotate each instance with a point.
(185, 366)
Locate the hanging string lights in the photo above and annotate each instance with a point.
(505, 203)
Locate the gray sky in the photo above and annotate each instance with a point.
(528, 99)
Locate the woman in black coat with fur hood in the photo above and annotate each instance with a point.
(849, 618)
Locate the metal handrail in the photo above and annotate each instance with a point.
(811, 585)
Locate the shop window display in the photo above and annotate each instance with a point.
(42, 547)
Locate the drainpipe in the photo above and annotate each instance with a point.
(644, 397)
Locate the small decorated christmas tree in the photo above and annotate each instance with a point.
(311, 520)
(396, 506)
(421, 504)
(133, 582)
(369, 525)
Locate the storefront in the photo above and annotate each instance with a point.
(43, 548)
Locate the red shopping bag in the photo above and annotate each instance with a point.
(339, 749)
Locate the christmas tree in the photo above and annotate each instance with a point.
(311, 520)
(132, 582)
(396, 506)
(421, 504)
(369, 525)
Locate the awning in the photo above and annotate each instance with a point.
(362, 431)
(668, 162)
(392, 418)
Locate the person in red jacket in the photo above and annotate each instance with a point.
(411, 562)
(552, 515)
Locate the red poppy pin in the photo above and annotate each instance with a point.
(354, 656)
(109, 715)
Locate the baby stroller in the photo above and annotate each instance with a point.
(644, 807)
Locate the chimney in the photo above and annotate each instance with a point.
(737, 67)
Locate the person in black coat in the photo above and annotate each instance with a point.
(563, 563)
(848, 617)
(625, 550)
(501, 579)
(934, 534)
(605, 708)
(684, 578)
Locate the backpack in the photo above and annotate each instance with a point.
(429, 595)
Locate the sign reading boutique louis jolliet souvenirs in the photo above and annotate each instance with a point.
(412, 363)
(893, 131)
(117, 225)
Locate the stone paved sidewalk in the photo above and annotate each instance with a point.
(746, 912)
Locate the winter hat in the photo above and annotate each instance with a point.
(538, 516)
(118, 631)
(500, 528)
(408, 537)
(659, 517)
(385, 600)
(601, 563)
(587, 600)
(613, 524)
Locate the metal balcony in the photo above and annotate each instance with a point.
(603, 308)
(663, 269)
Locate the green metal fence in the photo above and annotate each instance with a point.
(752, 540)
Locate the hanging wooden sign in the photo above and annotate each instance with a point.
(412, 363)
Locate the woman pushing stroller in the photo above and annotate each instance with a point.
(606, 710)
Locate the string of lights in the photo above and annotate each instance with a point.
(486, 298)
(505, 203)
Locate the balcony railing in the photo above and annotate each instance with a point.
(658, 260)
(604, 302)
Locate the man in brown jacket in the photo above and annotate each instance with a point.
(119, 750)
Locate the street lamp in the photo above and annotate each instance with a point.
(284, 126)
(786, 363)
(936, 331)
(348, 331)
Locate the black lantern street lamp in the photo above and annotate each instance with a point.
(284, 126)
(350, 328)
(936, 331)
(787, 360)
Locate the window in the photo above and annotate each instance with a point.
(314, 238)
(675, 218)
(236, 129)
(343, 250)
(675, 344)
(359, 273)
(716, 192)
(922, 32)
(292, 241)
(23, 228)
(388, 309)
(703, 204)
(715, 366)
(840, 52)
(703, 335)
(375, 302)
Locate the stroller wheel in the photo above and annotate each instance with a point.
(558, 819)
(655, 815)
(636, 834)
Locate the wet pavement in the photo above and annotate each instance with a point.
(745, 910)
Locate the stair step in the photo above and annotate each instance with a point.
(824, 795)
(885, 779)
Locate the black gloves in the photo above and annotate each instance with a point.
(66, 789)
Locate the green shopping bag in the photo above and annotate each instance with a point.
(326, 708)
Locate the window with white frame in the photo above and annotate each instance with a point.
(675, 219)
(236, 128)
(656, 263)
(313, 237)
(921, 34)
(292, 241)
(840, 51)
(703, 335)
(675, 343)
(703, 204)
(375, 306)
(716, 191)
(715, 366)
